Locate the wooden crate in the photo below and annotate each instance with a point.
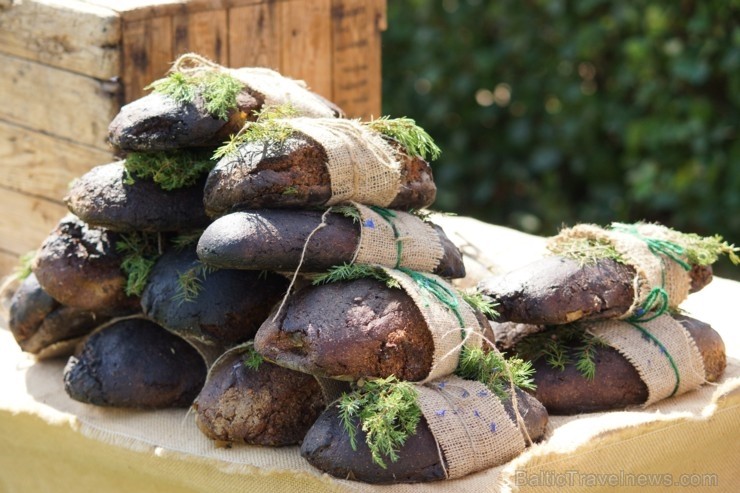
(69, 65)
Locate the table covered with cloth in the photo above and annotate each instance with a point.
(50, 443)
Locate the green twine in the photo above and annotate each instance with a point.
(663, 350)
(672, 250)
(658, 297)
(444, 294)
(389, 215)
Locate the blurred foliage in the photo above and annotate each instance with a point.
(550, 112)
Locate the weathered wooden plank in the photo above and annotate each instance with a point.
(26, 220)
(132, 10)
(68, 34)
(56, 101)
(203, 32)
(147, 54)
(254, 37)
(40, 164)
(356, 74)
(305, 43)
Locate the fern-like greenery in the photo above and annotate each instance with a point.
(170, 170)
(414, 139)
(268, 128)
(387, 412)
(140, 254)
(251, 358)
(490, 369)
(350, 272)
(218, 90)
(587, 251)
(347, 211)
(556, 344)
(480, 302)
(190, 282)
(182, 241)
(24, 267)
(706, 250)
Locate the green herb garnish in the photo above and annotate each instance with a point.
(169, 169)
(406, 132)
(140, 254)
(556, 344)
(387, 412)
(490, 369)
(218, 90)
(350, 272)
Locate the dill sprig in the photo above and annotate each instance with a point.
(350, 272)
(140, 254)
(482, 303)
(587, 251)
(387, 412)
(25, 265)
(190, 282)
(169, 169)
(182, 241)
(251, 358)
(218, 90)
(706, 250)
(267, 128)
(557, 343)
(406, 132)
(490, 369)
(347, 211)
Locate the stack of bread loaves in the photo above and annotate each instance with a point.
(294, 291)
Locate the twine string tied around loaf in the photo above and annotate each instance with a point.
(389, 215)
(657, 246)
(657, 301)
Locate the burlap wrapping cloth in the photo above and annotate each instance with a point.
(362, 166)
(661, 350)
(470, 425)
(276, 89)
(331, 389)
(452, 324)
(397, 239)
(654, 270)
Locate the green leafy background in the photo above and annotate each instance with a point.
(550, 112)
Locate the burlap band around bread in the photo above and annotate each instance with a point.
(655, 352)
(400, 240)
(448, 334)
(652, 270)
(276, 89)
(470, 425)
(362, 166)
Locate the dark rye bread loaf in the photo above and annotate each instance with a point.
(159, 123)
(78, 265)
(327, 447)
(616, 383)
(350, 330)
(268, 405)
(39, 322)
(102, 197)
(135, 363)
(274, 240)
(228, 308)
(293, 174)
(558, 290)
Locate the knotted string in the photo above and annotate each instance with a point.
(663, 350)
(657, 300)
